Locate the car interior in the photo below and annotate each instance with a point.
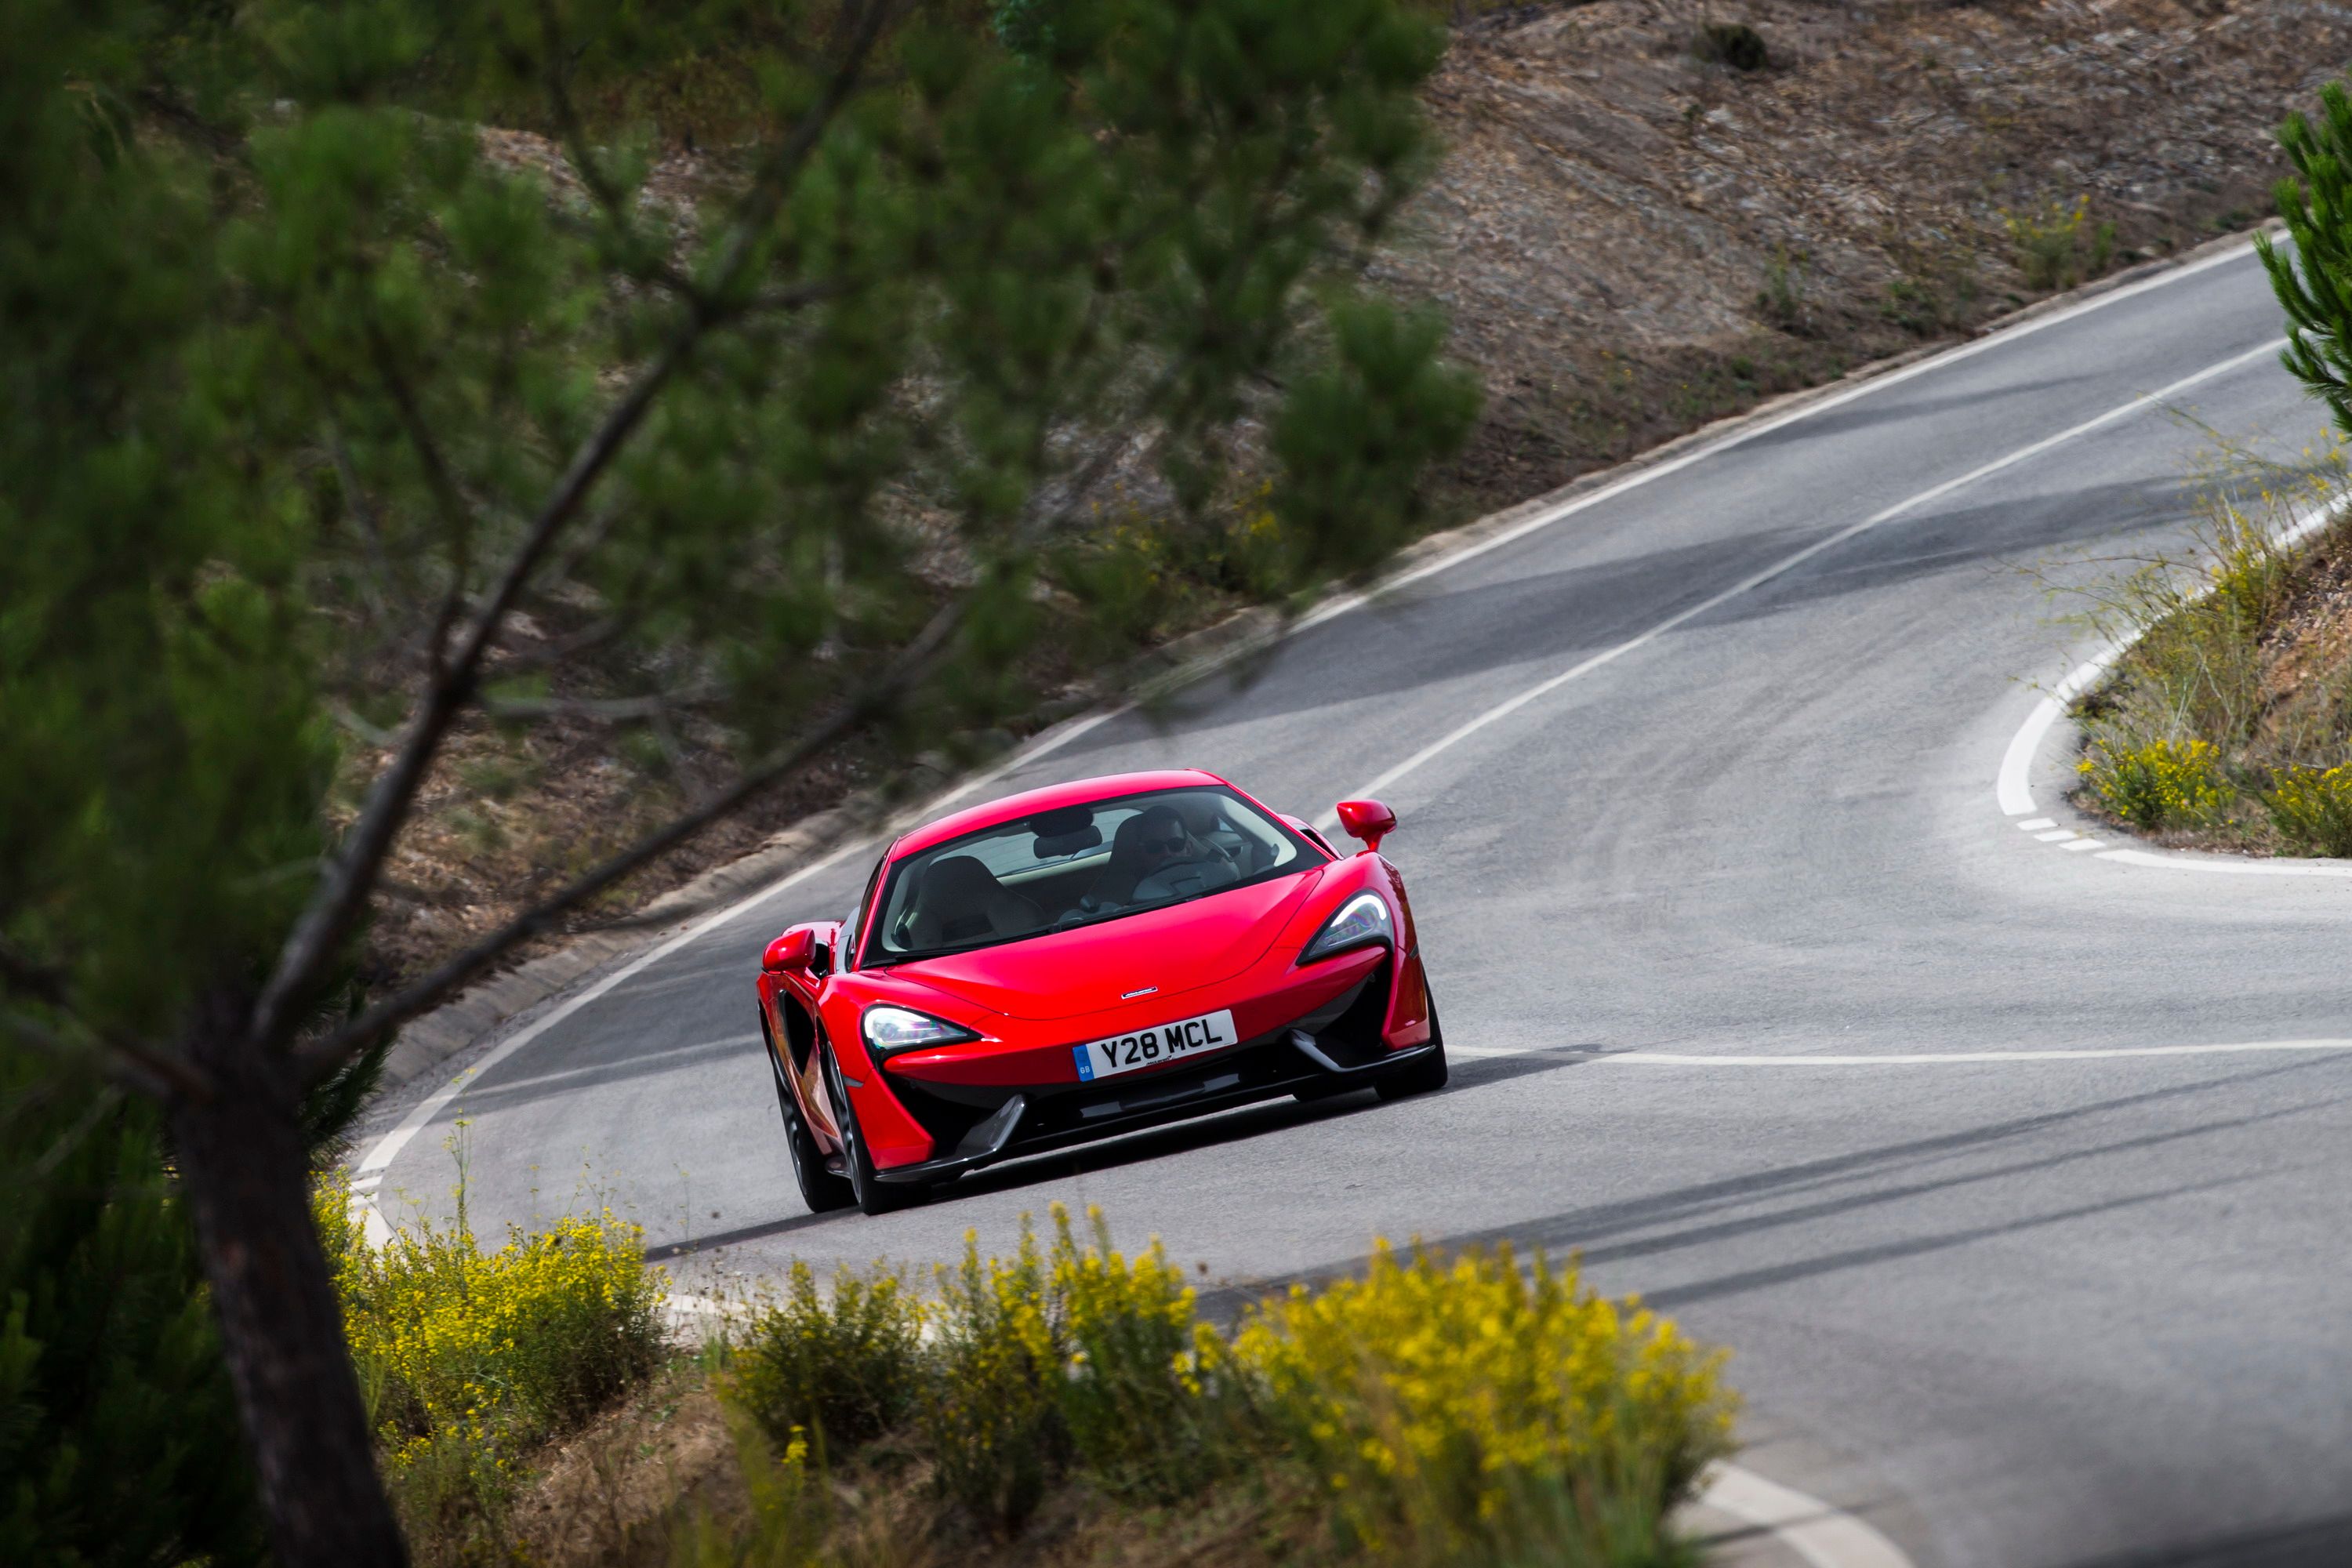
(1079, 864)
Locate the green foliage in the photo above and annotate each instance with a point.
(1152, 1407)
(1473, 1412)
(2225, 712)
(842, 1369)
(2312, 808)
(2048, 243)
(990, 1413)
(305, 391)
(296, 366)
(2163, 784)
(1463, 1412)
(1782, 297)
(1733, 44)
(119, 1442)
(470, 1357)
(2314, 281)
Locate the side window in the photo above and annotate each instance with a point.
(845, 958)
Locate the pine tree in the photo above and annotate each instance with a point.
(2316, 202)
(304, 399)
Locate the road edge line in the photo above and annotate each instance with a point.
(1823, 1534)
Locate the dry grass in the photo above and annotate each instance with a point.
(2223, 724)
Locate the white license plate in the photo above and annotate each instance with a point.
(1150, 1047)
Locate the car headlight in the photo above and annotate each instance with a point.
(889, 1030)
(1360, 921)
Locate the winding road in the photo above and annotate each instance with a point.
(1757, 993)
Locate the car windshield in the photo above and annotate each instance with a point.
(1076, 864)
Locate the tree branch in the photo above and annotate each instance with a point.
(159, 1075)
(455, 515)
(650, 706)
(316, 1060)
(347, 882)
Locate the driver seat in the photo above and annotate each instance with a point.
(961, 900)
(1120, 873)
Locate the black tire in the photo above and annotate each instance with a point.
(873, 1194)
(820, 1189)
(1426, 1074)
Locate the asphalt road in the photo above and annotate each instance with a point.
(2014, 1310)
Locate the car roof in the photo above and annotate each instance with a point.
(1012, 807)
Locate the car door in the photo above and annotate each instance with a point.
(838, 941)
(799, 1031)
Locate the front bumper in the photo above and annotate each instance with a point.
(1342, 1041)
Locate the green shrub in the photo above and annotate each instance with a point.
(991, 1413)
(1445, 1414)
(2048, 242)
(470, 1357)
(1144, 1401)
(843, 1371)
(2163, 784)
(1782, 300)
(1471, 1412)
(2313, 809)
(1734, 44)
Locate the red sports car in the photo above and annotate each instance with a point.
(1083, 961)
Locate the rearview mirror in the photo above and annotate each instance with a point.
(789, 954)
(1368, 820)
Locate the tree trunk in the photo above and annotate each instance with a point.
(245, 1175)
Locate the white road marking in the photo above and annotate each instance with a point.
(1902, 1058)
(1787, 564)
(2229, 865)
(2037, 824)
(1347, 602)
(2060, 836)
(2080, 844)
(1823, 1535)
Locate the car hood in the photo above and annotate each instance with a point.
(1174, 950)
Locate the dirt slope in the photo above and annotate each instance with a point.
(1631, 240)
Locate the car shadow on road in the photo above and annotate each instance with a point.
(1159, 1142)
(1235, 1126)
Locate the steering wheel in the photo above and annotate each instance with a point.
(1188, 877)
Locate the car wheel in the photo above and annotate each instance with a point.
(1425, 1073)
(874, 1196)
(821, 1190)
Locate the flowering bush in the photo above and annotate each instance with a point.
(844, 1370)
(468, 1356)
(1463, 1410)
(2313, 809)
(2164, 783)
(992, 1414)
(1142, 1395)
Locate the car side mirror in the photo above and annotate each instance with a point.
(1368, 820)
(790, 954)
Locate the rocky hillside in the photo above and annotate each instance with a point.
(1633, 236)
